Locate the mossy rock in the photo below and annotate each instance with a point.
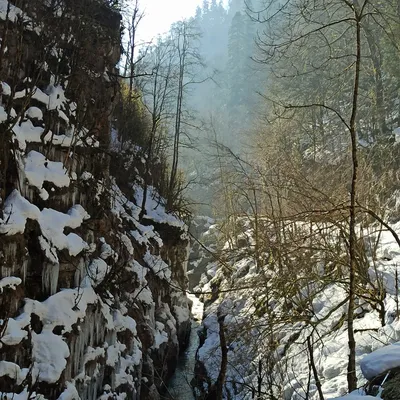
(392, 388)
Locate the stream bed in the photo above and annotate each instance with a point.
(179, 386)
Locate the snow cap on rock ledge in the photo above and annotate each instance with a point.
(354, 397)
(381, 360)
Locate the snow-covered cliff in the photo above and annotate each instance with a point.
(92, 300)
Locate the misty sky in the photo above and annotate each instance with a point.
(160, 14)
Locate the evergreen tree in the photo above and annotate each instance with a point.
(205, 6)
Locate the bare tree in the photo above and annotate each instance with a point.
(130, 62)
(185, 38)
(158, 96)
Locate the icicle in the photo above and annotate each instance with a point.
(50, 278)
(12, 265)
(79, 273)
(24, 269)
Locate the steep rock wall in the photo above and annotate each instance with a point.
(92, 300)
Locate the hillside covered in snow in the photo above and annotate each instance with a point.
(285, 330)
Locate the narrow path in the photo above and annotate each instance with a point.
(179, 386)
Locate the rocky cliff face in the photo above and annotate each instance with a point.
(92, 300)
(204, 238)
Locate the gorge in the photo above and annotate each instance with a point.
(111, 284)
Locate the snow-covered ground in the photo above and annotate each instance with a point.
(270, 335)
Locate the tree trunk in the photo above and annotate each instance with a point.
(219, 384)
(351, 367)
(259, 379)
(314, 368)
(182, 52)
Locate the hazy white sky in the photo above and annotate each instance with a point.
(160, 14)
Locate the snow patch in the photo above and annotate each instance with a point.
(49, 356)
(13, 371)
(34, 113)
(9, 282)
(38, 169)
